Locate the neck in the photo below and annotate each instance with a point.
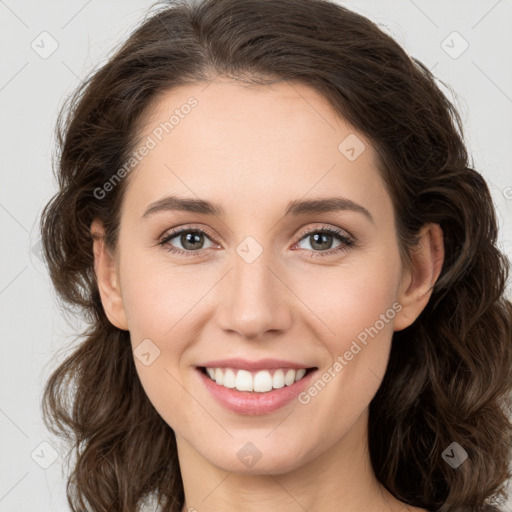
(341, 479)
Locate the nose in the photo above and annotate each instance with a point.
(255, 299)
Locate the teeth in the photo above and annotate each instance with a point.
(299, 374)
(289, 378)
(259, 382)
(278, 379)
(229, 380)
(262, 382)
(243, 380)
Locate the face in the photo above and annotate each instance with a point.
(261, 285)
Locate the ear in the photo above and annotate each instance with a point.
(105, 268)
(418, 280)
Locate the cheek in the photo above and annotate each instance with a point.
(355, 305)
(159, 305)
(351, 297)
(159, 298)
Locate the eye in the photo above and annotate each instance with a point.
(321, 240)
(190, 239)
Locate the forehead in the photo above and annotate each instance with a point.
(232, 142)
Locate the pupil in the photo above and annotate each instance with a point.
(319, 245)
(188, 239)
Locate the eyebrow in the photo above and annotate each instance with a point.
(295, 208)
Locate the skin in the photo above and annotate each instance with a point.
(253, 150)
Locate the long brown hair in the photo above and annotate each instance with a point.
(449, 374)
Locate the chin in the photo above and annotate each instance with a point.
(254, 457)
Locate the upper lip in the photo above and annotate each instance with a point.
(260, 364)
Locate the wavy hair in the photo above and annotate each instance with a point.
(449, 373)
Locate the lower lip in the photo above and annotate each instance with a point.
(245, 402)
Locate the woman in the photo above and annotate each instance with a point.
(267, 214)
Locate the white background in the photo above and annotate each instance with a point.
(36, 335)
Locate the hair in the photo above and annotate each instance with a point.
(449, 374)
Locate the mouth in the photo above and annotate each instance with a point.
(261, 381)
(257, 391)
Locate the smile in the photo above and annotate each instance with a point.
(254, 387)
(261, 381)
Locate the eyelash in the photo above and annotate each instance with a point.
(346, 241)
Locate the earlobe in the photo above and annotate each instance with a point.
(105, 269)
(418, 281)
